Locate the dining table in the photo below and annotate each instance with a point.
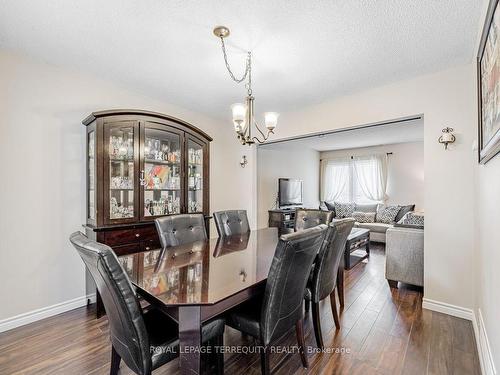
(196, 282)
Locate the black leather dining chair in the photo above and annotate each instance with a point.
(270, 316)
(231, 222)
(145, 341)
(323, 280)
(178, 230)
(308, 218)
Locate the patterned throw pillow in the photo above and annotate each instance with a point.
(364, 217)
(412, 218)
(387, 214)
(343, 210)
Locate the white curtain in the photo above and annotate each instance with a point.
(335, 179)
(371, 175)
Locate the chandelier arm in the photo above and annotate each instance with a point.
(228, 67)
(260, 131)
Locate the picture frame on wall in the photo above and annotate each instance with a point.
(488, 76)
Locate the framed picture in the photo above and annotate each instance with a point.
(488, 75)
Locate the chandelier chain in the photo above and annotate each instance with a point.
(248, 68)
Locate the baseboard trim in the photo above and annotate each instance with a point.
(483, 345)
(446, 308)
(44, 312)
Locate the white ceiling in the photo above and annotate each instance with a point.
(304, 51)
(398, 132)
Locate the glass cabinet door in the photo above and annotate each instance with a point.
(195, 153)
(121, 171)
(162, 172)
(91, 191)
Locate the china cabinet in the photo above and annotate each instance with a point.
(142, 165)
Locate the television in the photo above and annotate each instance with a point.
(289, 192)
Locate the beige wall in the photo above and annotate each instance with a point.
(287, 163)
(445, 99)
(42, 191)
(405, 170)
(487, 254)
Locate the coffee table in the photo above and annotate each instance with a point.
(358, 239)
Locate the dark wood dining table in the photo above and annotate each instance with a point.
(196, 282)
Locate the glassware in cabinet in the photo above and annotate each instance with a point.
(162, 172)
(195, 176)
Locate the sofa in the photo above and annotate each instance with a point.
(404, 255)
(377, 230)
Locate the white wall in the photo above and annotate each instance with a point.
(42, 190)
(445, 98)
(405, 170)
(273, 164)
(487, 251)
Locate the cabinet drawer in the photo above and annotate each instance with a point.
(150, 245)
(127, 249)
(122, 236)
(149, 233)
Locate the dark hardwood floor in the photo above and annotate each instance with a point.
(385, 331)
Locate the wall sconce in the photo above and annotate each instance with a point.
(447, 137)
(243, 161)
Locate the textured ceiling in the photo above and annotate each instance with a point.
(399, 132)
(304, 51)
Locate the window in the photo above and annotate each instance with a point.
(358, 179)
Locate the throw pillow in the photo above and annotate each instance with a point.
(322, 206)
(387, 214)
(331, 207)
(343, 210)
(412, 218)
(403, 210)
(364, 217)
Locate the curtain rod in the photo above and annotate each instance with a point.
(352, 157)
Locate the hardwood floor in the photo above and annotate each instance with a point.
(384, 331)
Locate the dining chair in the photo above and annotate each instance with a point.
(178, 230)
(308, 218)
(323, 280)
(231, 222)
(144, 340)
(271, 315)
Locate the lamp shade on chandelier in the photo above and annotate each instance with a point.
(243, 113)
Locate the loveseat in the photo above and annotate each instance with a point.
(404, 255)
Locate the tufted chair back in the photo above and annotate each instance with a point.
(177, 230)
(327, 263)
(231, 222)
(126, 325)
(310, 218)
(287, 280)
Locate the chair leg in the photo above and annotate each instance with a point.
(219, 342)
(264, 362)
(299, 329)
(307, 305)
(335, 313)
(115, 362)
(317, 325)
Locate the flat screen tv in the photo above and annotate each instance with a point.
(289, 192)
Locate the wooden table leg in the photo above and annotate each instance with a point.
(340, 284)
(190, 339)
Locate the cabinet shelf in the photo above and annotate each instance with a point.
(162, 162)
(162, 189)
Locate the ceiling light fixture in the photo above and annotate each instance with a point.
(243, 114)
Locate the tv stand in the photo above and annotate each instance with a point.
(283, 219)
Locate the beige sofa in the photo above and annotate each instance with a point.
(377, 230)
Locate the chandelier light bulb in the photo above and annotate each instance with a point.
(271, 120)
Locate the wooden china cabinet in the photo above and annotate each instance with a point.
(142, 165)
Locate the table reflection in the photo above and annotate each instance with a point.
(203, 272)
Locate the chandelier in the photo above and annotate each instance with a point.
(243, 114)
